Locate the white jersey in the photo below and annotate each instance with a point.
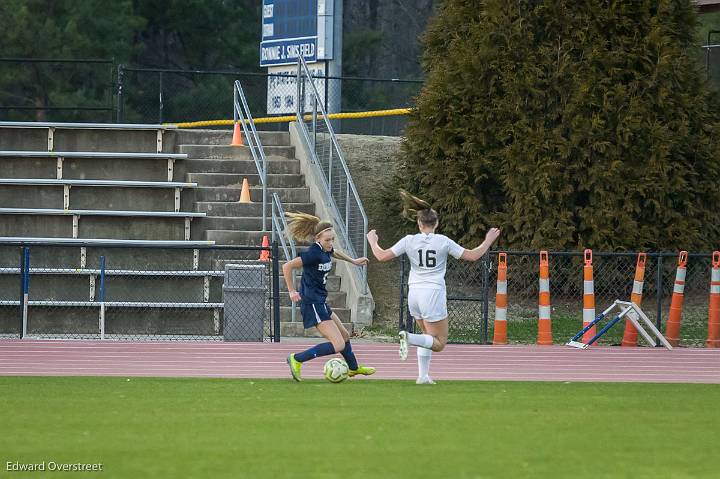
(428, 258)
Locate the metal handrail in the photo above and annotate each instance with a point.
(116, 272)
(284, 241)
(89, 126)
(279, 220)
(241, 112)
(90, 154)
(342, 226)
(118, 183)
(108, 242)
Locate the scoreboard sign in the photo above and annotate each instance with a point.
(291, 28)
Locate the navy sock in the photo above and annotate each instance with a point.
(322, 349)
(349, 356)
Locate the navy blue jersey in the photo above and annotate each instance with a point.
(316, 267)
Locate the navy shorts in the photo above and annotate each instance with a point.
(314, 313)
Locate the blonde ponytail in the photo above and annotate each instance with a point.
(305, 227)
(415, 208)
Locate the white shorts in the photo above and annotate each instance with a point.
(428, 304)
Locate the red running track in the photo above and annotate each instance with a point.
(267, 360)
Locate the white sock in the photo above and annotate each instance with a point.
(421, 340)
(424, 356)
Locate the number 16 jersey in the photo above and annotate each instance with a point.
(428, 258)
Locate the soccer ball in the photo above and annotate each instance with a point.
(336, 370)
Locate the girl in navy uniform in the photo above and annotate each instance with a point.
(427, 301)
(316, 263)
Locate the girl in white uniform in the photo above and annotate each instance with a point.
(427, 301)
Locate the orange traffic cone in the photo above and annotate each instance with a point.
(237, 135)
(544, 326)
(630, 334)
(265, 254)
(672, 327)
(500, 325)
(588, 297)
(713, 340)
(245, 193)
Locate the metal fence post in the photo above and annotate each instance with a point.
(120, 76)
(22, 292)
(486, 265)
(276, 291)
(300, 97)
(401, 322)
(112, 90)
(160, 86)
(327, 88)
(659, 295)
(102, 297)
(25, 290)
(314, 125)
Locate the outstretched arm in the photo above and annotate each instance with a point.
(287, 274)
(379, 253)
(478, 252)
(337, 254)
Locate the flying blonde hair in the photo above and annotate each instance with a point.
(304, 226)
(415, 208)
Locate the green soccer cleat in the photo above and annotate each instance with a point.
(364, 370)
(295, 367)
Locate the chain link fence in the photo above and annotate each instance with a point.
(471, 289)
(57, 90)
(172, 96)
(138, 294)
(104, 92)
(710, 57)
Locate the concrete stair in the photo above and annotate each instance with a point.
(219, 170)
(233, 166)
(224, 208)
(232, 193)
(297, 329)
(225, 152)
(274, 180)
(224, 137)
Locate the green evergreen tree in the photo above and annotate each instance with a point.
(569, 124)
(62, 29)
(181, 34)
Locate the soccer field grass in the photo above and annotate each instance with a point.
(147, 427)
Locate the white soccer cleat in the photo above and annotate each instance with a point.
(425, 380)
(403, 345)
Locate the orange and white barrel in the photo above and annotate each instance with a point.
(588, 297)
(500, 325)
(713, 340)
(630, 335)
(544, 325)
(672, 328)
